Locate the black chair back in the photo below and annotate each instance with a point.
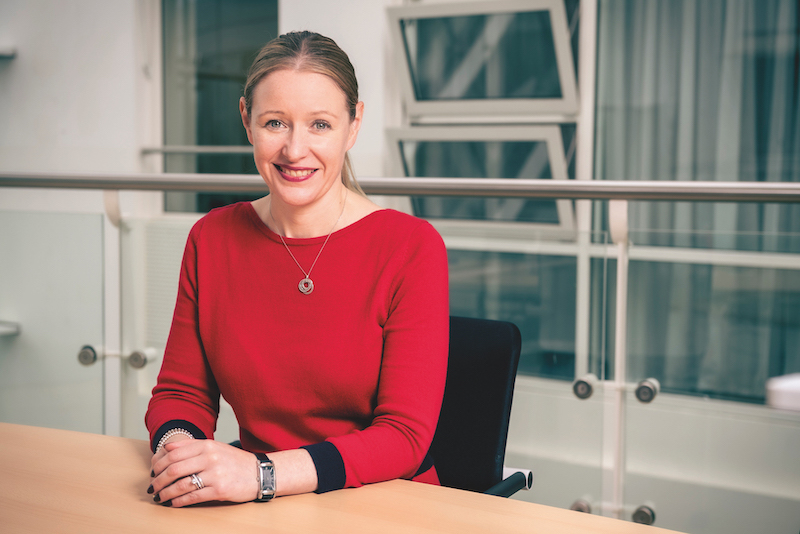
(469, 446)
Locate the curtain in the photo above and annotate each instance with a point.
(705, 90)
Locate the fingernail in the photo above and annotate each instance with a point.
(157, 498)
(152, 473)
(150, 489)
(167, 503)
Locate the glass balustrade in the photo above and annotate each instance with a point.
(51, 305)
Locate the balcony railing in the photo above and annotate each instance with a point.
(493, 187)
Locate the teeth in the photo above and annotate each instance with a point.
(295, 174)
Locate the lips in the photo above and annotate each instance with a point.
(295, 174)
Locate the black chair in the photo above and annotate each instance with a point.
(469, 446)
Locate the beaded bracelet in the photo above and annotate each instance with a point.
(169, 433)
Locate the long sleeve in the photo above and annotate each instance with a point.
(186, 393)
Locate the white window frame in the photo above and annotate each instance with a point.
(549, 134)
(567, 105)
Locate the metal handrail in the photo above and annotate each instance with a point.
(489, 187)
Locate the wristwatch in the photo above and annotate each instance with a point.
(266, 478)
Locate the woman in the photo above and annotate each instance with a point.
(321, 318)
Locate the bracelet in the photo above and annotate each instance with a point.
(169, 433)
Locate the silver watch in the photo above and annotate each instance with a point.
(266, 478)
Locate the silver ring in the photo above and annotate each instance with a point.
(197, 481)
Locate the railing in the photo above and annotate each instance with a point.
(490, 187)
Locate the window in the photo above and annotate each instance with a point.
(208, 47)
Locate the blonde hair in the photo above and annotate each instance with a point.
(312, 52)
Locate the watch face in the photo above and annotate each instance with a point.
(269, 478)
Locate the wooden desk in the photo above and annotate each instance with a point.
(61, 481)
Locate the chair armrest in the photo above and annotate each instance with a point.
(519, 479)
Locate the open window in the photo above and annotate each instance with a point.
(464, 58)
(510, 152)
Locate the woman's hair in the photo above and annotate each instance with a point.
(311, 52)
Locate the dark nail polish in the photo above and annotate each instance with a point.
(167, 503)
(157, 498)
(150, 489)
(152, 473)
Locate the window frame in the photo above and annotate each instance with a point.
(549, 134)
(566, 105)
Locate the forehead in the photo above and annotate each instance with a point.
(298, 89)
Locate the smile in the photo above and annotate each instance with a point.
(295, 173)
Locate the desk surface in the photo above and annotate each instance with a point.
(62, 481)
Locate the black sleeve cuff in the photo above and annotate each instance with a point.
(329, 464)
(175, 423)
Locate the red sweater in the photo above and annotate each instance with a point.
(354, 371)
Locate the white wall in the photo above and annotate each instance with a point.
(69, 97)
(74, 99)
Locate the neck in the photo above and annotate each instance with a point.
(313, 221)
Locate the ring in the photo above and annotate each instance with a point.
(197, 481)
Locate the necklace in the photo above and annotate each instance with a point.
(306, 285)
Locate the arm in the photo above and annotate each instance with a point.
(186, 394)
(412, 376)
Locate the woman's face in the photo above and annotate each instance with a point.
(300, 129)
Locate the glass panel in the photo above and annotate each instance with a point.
(480, 56)
(208, 47)
(716, 331)
(483, 159)
(713, 467)
(535, 292)
(51, 285)
(701, 92)
(560, 438)
(711, 333)
(552, 432)
(152, 249)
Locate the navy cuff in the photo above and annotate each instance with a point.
(427, 463)
(175, 423)
(329, 464)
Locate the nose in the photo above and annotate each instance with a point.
(296, 145)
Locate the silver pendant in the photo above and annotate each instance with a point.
(306, 286)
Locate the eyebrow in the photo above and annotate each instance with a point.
(313, 113)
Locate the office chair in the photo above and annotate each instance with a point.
(469, 445)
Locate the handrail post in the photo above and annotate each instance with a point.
(618, 226)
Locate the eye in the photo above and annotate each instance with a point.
(274, 124)
(321, 126)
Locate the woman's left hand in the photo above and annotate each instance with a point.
(224, 472)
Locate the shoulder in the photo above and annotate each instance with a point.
(223, 220)
(388, 227)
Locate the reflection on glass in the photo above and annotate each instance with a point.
(535, 292)
(503, 55)
(480, 159)
(712, 330)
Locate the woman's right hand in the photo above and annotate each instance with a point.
(226, 473)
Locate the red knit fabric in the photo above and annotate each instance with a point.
(360, 362)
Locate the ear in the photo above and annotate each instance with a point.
(245, 119)
(355, 125)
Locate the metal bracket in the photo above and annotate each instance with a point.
(137, 359)
(8, 328)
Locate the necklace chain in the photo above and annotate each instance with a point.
(306, 285)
